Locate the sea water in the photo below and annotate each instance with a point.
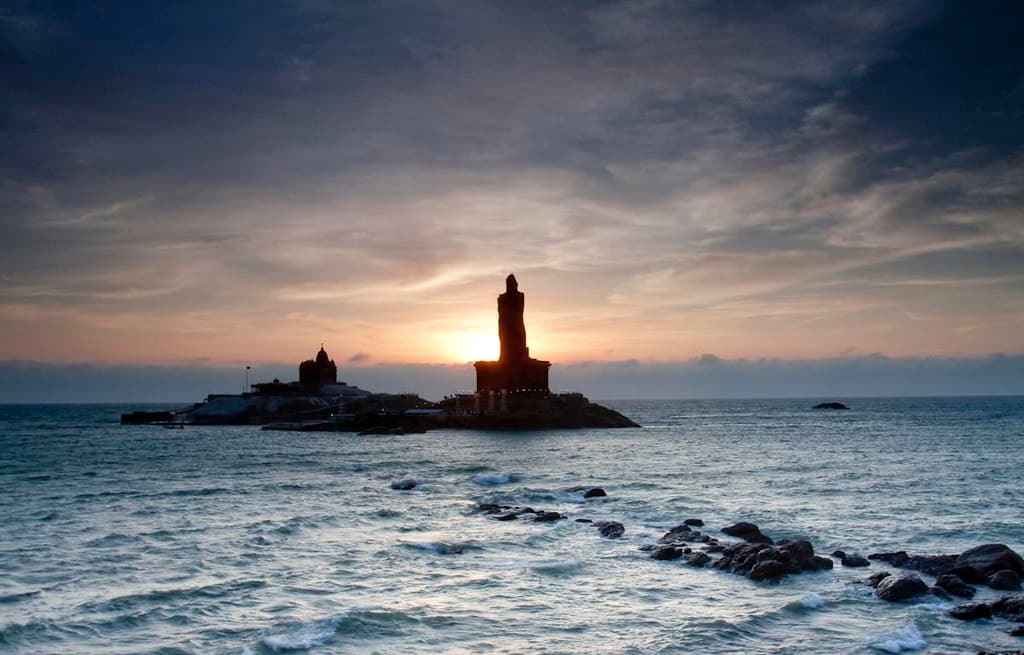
(137, 539)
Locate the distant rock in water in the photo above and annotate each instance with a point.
(403, 485)
(760, 561)
(971, 611)
(596, 492)
(830, 406)
(610, 529)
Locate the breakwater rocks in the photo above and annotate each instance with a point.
(765, 560)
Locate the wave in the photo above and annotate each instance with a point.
(443, 547)
(809, 601)
(128, 601)
(307, 635)
(18, 597)
(907, 638)
(303, 637)
(491, 479)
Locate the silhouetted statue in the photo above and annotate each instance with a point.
(511, 328)
(515, 372)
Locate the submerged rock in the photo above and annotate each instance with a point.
(596, 492)
(545, 516)
(900, 587)
(697, 523)
(971, 611)
(898, 558)
(610, 529)
(830, 406)
(747, 532)
(404, 484)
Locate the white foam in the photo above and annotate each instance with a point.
(812, 601)
(907, 638)
(303, 637)
(490, 479)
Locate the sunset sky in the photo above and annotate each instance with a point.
(211, 184)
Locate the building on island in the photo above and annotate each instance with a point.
(319, 371)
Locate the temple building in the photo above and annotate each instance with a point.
(320, 371)
(515, 371)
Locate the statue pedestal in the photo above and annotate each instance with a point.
(512, 376)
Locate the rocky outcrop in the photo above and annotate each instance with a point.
(830, 406)
(747, 532)
(992, 558)
(895, 588)
(760, 561)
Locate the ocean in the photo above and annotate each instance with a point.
(136, 539)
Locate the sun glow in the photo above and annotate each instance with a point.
(472, 346)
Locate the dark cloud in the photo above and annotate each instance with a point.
(317, 159)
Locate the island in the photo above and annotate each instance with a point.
(512, 393)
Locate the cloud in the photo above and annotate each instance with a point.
(677, 175)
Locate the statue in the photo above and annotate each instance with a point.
(515, 372)
(511, 328)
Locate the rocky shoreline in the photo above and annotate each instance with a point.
(762, 559)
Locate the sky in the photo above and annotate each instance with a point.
(194, 187)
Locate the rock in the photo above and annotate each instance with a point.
(1005, 580)
(939, 592)
(680, 534)
(819, 563)
(403, 485)
(875, 578)
(697, 523)
(768, 569)
(1001, 652)
(667, 553)
(900, 587)
(697, 558)
(596, 492)
(899, 558)
(931, 564)
(954, 585)
(610, 529)
(854, 561)
(830, 406)
(992, 558)
(508, 516)
(971, 611)
(838, 554)
(544, 516)
(1017, 632)
(1011, 607)
(584, 521)
(969, 574)
(747, 532)
(491, 508)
